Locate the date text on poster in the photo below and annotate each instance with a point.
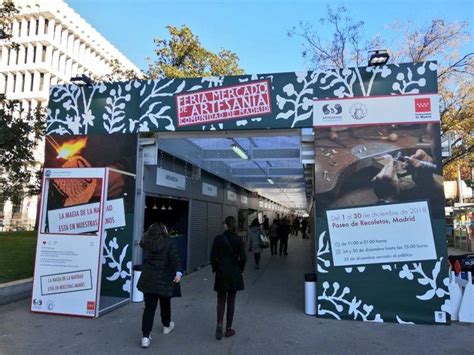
(381, 234)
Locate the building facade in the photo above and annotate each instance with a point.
(55, 44)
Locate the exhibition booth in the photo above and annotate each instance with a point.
(372, 177)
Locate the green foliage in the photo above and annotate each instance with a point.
(183, 56)
(7, 13)
(20, 132)
(17, 255)
(118, 73)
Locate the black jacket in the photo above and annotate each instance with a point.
(228, 262)
(283, 231)
(160, 267)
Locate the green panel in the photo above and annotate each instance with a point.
(142, 106)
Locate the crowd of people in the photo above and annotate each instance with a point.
(162, 269)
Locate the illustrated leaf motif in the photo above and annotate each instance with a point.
(410, 74)
(114, 277)
(424, 281)
(162, 110)
(122, 255)
(180, 87)
(112, 264)
(427, 296)
(284, 115)
(436, 269)
(321, 241)
(195, 87)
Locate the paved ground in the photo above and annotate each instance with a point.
(269, 320)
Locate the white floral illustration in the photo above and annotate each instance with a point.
(407, 84)
(323, 249)
(338, 301)
(75, 99)
(122, 272)
(416, 272)
(114, 118)
(298, 102)
(152, 107)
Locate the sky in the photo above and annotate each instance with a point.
(255, 30)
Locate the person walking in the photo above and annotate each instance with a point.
(273, 235)
(254, 241)
(228, 261)
(296, 225)
(159, 279)
(266, 224)
(284, 231)
(304, 228)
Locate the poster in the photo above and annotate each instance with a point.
(381, 246)
(68, 249)
(116, 151)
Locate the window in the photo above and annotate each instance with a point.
(43, 55)
(8, 56)
(41, 81)
(17, 56)
(31, 82)
(28, 28)
(23, 76)
(34, 54)
(46, 26)
(14, 83)
(19, 28)
(26, 54)
(6, 82)
(37, 27)
(17, 204)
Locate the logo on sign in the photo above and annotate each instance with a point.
(50, 305)
(47, 173)
(90, 305)
(37, 302)
(423, 105)
(224, 103)
(358, 111)
(330, 109)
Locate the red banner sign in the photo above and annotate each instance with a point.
(221, 104)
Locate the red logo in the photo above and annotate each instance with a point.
(90, 305)
(422, 105)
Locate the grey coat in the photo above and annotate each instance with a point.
(254, 240)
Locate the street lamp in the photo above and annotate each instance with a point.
(82, 79)
(378, 57)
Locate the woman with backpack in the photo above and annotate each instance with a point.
(228, 260)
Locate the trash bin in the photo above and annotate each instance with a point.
(310, 294)
(137, 296)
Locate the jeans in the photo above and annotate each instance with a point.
(151, 301)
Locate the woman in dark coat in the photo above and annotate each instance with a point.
(254, 241)
(159, 279)
(228, 262)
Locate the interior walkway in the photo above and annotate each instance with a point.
(269, 320)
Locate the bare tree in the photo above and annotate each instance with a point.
(438, 40)
(345, 47)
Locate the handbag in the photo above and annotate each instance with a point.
(263, 241)
(176, 289)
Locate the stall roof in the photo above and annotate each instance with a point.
(276, 158)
